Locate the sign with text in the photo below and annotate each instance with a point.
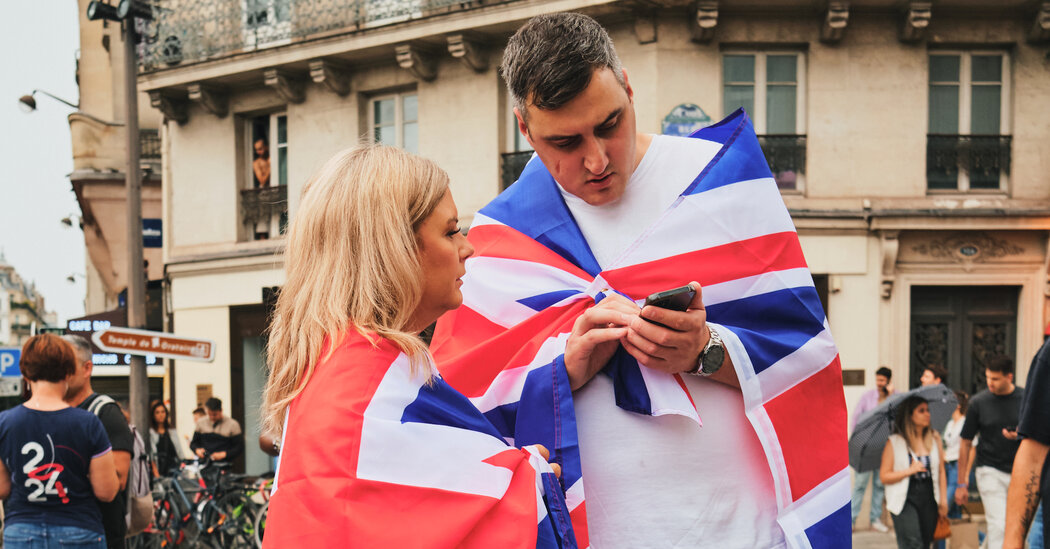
(152, 235)
(144, 342)
(9, 357)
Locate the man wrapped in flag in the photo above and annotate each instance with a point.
(602, 217)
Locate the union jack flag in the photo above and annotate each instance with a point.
(533, 274)
(375, 456)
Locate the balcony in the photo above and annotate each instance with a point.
(264, 212)
(511, 165)
(966, 162)
(786, 155)
(189, 31)
(149, 145)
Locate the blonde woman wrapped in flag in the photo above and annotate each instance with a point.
(377, 450)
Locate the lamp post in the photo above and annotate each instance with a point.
(125, 13)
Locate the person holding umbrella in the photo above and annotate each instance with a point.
(912, 471)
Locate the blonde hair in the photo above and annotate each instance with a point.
(351, 260)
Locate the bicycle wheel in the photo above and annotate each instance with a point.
(260, 523)
(167, 522)
(235, 527)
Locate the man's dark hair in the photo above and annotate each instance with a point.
(938, 372)
(551, 59)
(884, 372)
(213, 404)
(47, 357)
(964, 401)
(1001, 364)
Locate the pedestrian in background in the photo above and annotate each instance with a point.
(217, 437)
(867, 402)
(952, 433)
(83, 396)
(56, 459)
(164, 446)
(913, 473)
(993, 414)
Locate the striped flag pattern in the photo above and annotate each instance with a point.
(532, 275)
(375, 456)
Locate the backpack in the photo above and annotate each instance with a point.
(140, 496)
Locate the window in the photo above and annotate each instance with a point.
(266, 22)
(770, 86)
(968, 146)
(264, 198)
(394, 120)
(517, 153)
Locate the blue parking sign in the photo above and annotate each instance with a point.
(9, 362)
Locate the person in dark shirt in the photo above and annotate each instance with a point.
(1030, 481)
(81, 395)
(56, 459)
(164, 445)
(994, 415)
(217, 437)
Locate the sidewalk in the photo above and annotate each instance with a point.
(871, 539)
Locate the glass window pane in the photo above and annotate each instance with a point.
(282, 166)
(944, 68)
(386, 135)
(411, 108)
(985, 180)
(738, 68)
(412, 137)
(984, 110)
(739, 96)
(780, 109)
(282, 130)
(781, 68)
(944, 109)
(384, 111)
(987, 68)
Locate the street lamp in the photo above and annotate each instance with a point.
(68, 221)
(28, 104)
(126, 13)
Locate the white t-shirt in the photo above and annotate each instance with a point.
(665, 482)
(952, 432)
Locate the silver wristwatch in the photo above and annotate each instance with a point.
(712, 357)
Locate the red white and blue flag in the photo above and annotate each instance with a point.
(533, 274)
(374, 456)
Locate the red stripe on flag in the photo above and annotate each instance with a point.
(578, 516)
(744, 258)
(810, 422)
(504, 242)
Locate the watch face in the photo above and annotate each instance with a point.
(713, 359)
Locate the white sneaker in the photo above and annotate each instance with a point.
(878, 526)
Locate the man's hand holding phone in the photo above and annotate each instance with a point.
(595, 336)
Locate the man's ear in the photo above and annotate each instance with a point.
(523, 128)
(627, 86)
(88, 367)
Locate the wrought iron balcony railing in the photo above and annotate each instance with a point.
(149, 145)
(188, 31)
(511, 165)
(264, 211)
(982, 157)
(786, 155)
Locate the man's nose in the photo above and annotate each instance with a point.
(594, 158)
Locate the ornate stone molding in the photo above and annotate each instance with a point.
(916, 21)
(645, 26)
(173, 108)
(706, 21)
(212, 99)
(288, 86)
(1040, 31)
(835, 21)
(419, 64)
(471, 52)
(333, 76)
(889, 245)
(968, 248)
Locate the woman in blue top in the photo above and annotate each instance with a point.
(55, 460)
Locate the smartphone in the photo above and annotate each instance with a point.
(676, 299)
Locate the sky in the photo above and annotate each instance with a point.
(39, 40)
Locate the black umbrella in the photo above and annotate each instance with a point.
(873, 428)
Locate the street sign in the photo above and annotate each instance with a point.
(144, 342)
(10, 386)
(9, 361)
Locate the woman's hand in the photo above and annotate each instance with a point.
(547, 456)
(942, 508)
(916, 467)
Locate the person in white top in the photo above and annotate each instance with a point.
(650, 481)
(951, 449)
